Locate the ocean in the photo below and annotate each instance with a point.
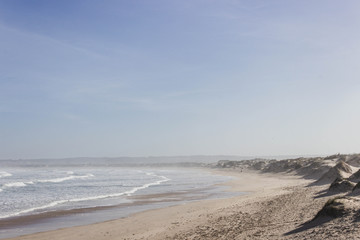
(63, 196)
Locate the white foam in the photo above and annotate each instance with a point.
(57, 180)
(53, 204)
(126, 193)
(17, 184)
(134, 190)
(54, 180)
(5, 174)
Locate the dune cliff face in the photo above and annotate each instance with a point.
(356, 190)
(355, 177)
(325, 168)
(338, 175)
(340, 171)
(347, 205)
(341, 185)
(340, 207)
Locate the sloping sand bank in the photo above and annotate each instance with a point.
(276, 207)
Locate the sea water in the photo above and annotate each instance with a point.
(35, 190)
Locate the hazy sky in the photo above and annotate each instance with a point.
(180, 77)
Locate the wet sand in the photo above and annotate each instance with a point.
(236, 217)
(51, 220)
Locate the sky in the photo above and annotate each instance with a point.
(183, 77)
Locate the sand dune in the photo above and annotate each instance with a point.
(341, 185)
(355, 177)
(340, 170)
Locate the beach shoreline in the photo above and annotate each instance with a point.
(142, 201)
(174, 221)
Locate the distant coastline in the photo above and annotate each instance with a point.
(139, 161)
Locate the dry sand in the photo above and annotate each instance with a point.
(276, 207)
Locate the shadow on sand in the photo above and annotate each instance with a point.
(327, 193)
(326, 214)
(310, 224)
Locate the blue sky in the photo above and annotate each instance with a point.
(139, 78)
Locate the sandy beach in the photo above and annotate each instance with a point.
(303, 198)
(274, 205)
